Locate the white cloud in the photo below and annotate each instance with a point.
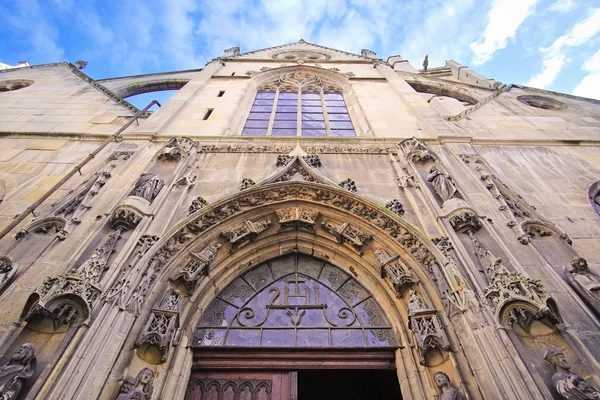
(590, 84)
(561, 6)
(555, 56)
(43, 37)
(440, 30)
(504, 19)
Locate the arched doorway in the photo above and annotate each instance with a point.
(294, 326)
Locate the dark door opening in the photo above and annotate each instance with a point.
(348, 385)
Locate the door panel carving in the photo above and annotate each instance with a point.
(240, 386)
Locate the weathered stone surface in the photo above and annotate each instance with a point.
(179, 206)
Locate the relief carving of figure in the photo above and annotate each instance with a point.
(449, 392)
(584, 281)
(148, 186)
(138, 388)
(21, 366)
(7, 270)
(569, 385)
(441, 183)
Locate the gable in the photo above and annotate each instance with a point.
(300, 50)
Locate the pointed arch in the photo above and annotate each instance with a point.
(330, 80)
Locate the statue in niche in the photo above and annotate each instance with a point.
(138, 388)
(569, 385)
(449, 392)
(171, 303)
(415, 303)
(584, 281)
(21, 366)
(7, 270)
(148, 186)
(442, 184)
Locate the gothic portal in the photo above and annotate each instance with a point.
(297, 222)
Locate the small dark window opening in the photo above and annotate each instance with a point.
(233, 73)
(221, 93)
(208, 113)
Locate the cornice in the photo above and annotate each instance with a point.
(550, 92)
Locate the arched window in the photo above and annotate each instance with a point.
(294, 301)
(299, 104)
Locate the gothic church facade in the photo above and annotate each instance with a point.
(297, 222)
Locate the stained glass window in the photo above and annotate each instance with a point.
(294, 301)
(302, 108)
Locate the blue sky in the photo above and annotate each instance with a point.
(543, 43)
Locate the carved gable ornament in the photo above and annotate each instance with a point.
(296, 218)
(242, 233)
(393, 267)
(198, 266)
(347, 234)
(426, 326)
(415, 150)
(66, 299)
(161, 327)
(177, 148)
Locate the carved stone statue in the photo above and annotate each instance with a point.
(569, 385)
(449, 392)
(441, 183)
(584, 281)
(415, 303)
(7, 270)
(148, 186)
(21, 366)
(138, 388)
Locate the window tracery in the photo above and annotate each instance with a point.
(294, 301)
(299, 104)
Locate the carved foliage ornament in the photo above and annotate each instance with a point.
(464, 222)
(125, 217)
(247, 183)
(313, 160)
(196, 205)
(349, 185)
(396, 207)
(313, 193)
(283, 160)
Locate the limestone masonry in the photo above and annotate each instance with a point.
(297, 209)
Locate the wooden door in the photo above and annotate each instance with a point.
(242, 385)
